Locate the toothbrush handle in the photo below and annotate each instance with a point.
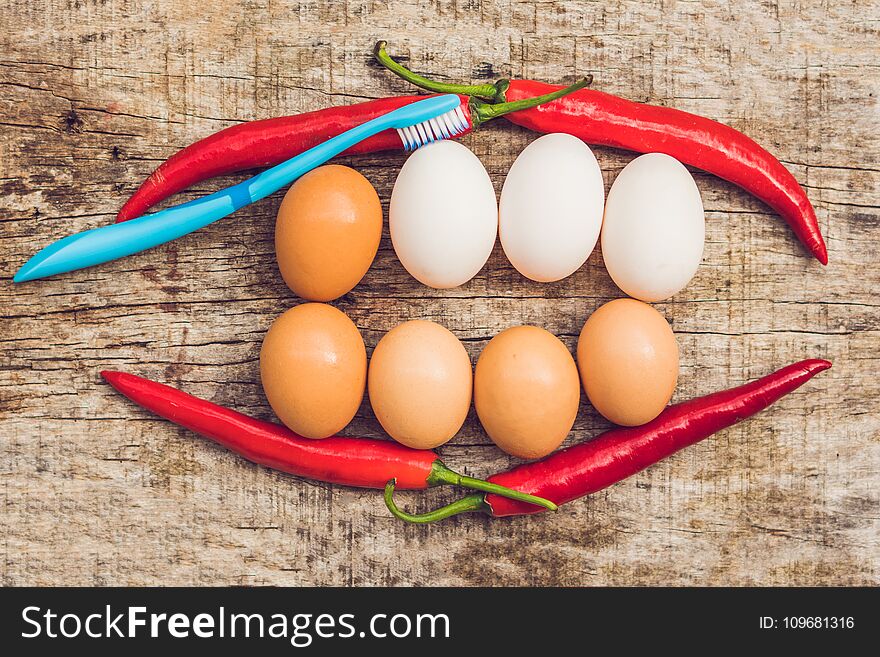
(180, 220)
(271, 180)
(114, 241)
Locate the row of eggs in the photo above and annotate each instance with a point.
(444, 219)
(525, 386)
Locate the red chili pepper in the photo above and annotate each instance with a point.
(605, 120)
(362, 462)
(620, 453)
(258, 144)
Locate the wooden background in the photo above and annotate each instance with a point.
(94, 491)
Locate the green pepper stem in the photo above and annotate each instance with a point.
(482, 112)
(441, 474)
(494, 95)
(465, 505)
(487, 92)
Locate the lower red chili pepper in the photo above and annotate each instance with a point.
(619, 453)
(605, 120)
(257, 144)
(361, 462)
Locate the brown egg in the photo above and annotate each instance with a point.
(628, 360)
(327, 232)
(526, 391)
(420, 384)
(314, 369)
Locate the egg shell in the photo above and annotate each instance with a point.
(443, 215)
(420, 382)
(654, 228)
(551, 206)
(526, 391)
(327, 232)
(628, 361)
(313, 365)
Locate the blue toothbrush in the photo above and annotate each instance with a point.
(437, 117)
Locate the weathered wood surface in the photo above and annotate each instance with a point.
(94, 491)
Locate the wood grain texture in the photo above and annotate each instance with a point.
(95, 93)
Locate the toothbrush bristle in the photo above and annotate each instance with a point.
(445, 126)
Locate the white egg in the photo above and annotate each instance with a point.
(654, 228)
(551, 207)
(443, 216)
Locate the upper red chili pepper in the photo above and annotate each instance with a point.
(362, 462)
(605, 120)
(268, 142)
(619, 453)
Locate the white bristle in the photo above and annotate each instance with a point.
(459, 113)
(421, 128)
(408, 137)
(435, 127)
(448, 123)
(445, 126)
(442, 130)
